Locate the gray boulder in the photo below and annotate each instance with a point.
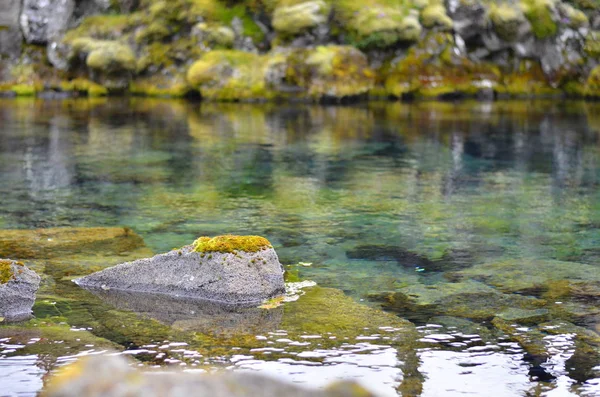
(112, 376)
(10, 32)
(225, 269)
(18, 286)
(45, 20)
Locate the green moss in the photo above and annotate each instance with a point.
(506, 19)
(6, 272)
(295, 19)
(576, 18)
(435, 16)
(377, 26)
(214, 35)
(592, 44)
(431, 69)
(229, 75)
(83, 85)
(156, 87)
(105, 27)
(592, 86)
(107, 56)
(225, 16)
(540, 14)
(23, 89)
(231, 243)
(332, 312)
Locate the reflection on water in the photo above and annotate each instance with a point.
(426, 209)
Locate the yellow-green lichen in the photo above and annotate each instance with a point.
(435, 16)
(541, 16)
(592, 86)
(231, 243)
(229, 75)
(506, 20)
(377, 25)
(105, 55)
(295, 19)
(6, 272)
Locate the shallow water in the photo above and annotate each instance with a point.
(379, 199)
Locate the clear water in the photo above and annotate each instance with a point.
(377, 197)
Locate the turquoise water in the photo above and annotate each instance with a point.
(455, 206)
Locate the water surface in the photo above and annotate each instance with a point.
(379, 199)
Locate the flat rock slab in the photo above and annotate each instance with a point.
(233, 278)
(18, 286)
(61, 242)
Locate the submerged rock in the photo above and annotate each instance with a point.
(18, 286)
(111, 375)
(61, 242)
(469, 299)
(229, 269)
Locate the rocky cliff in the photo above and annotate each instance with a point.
(300, 49)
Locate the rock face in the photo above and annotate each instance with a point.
(255, 52)
(110, 375)
(10, 32)
(18, 286)
(228, 269)
(45, 20)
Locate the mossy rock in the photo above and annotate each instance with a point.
(507, 20)
(432, 69)
(60, 242)
(468, 299)
(523, 275)
(592, 44)
(543, 17)
(329, 72)
(576, 19)
(160, 86)
(229, 75)
(592, 86)
(219, 36)
(376, 25)
(86, 86)
(104, 55)
(323, 311)
(101, 27)
(435, 16)
(298, 18)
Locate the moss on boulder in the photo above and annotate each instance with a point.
(543, 17)
(433, 69)
(435, 16)
(230, 243)
(219, 36)
(377, 25)
(507, 20)
(329, 71)
(298, 18)
(592, 86)
(229, 75)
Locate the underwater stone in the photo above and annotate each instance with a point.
(111, 375)
(18, 285)
(61, 242)
(228, 269)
